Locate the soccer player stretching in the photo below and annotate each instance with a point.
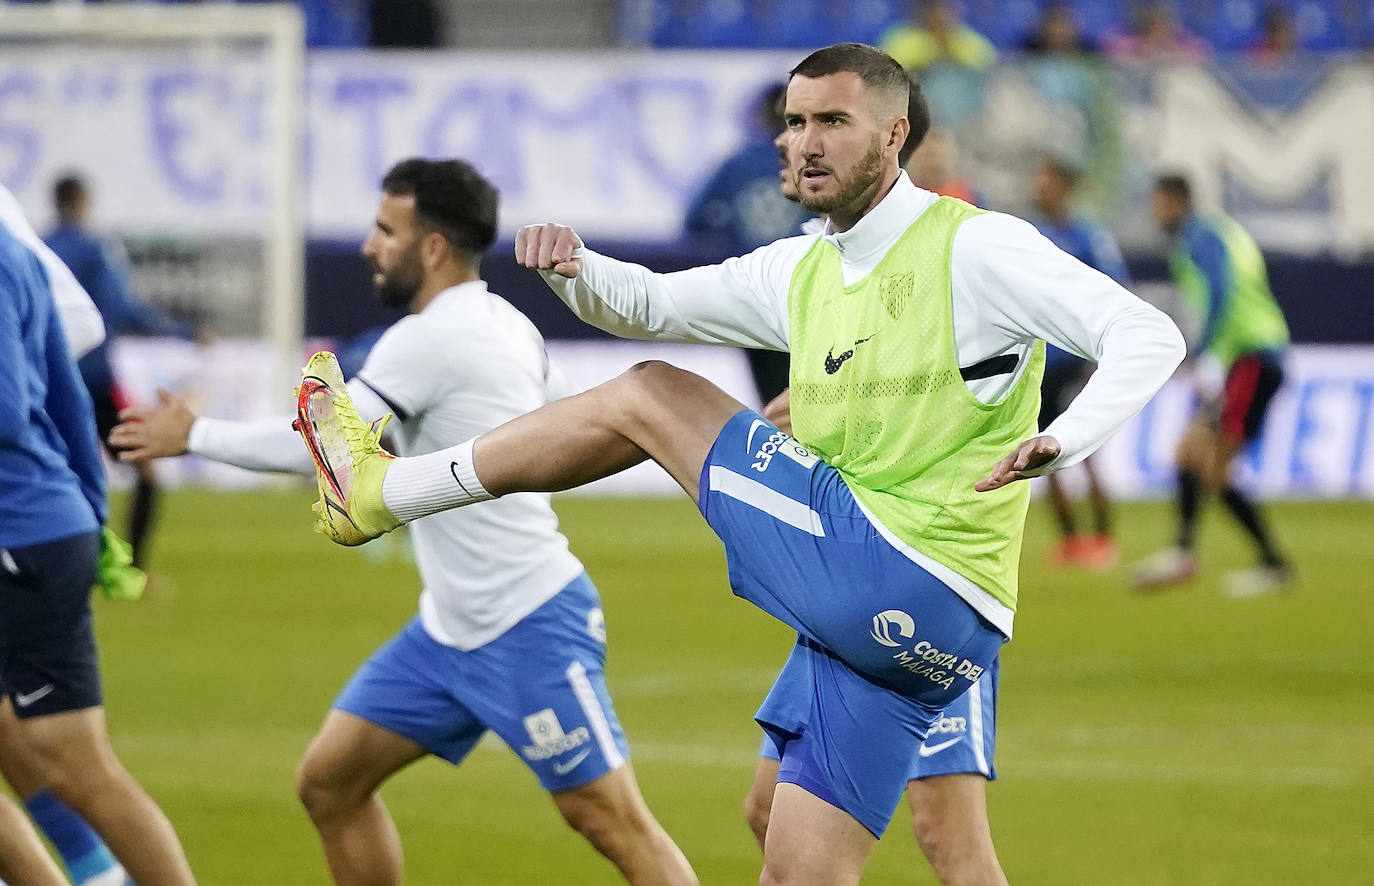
(947, 785)
(510, 635)
(890, 545)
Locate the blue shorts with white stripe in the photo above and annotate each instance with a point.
(884, 646)
(540, 686)
(961, 742)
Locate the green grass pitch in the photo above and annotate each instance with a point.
(1180, 738)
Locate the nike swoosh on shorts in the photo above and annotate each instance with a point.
(933, 749)
(565, 768)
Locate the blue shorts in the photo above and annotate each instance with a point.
(961, 742)
(884, 647)
(47, 643)
(540, 686)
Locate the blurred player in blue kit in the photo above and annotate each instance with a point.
(1090, 242)
(56, 748)
(102, 269)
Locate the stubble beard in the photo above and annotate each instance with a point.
(865, 173)
(400, 286)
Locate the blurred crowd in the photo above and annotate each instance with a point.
(381, 23)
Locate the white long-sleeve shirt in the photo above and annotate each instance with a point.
(1010, 287)
(78, 314)
(465, 364)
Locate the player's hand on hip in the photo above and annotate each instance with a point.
(153, 432)
(1030, 455)
(548, 247)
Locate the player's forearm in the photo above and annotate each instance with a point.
(609, 294)
(1140, 350)
(701, 305)
(261, 445)
(269, 444)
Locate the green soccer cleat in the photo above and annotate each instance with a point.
(349, 460)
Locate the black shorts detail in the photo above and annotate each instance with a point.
(107, 402)
(1062, 382)
(1251, 384)
(47, 645)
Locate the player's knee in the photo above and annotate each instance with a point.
(603, 821)
(321, 791)
(957, 855)
(637, 396)
(77, 781)
(782, 873)
(931, 835)
(651, 381)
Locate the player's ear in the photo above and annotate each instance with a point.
(434, 250)
(901, 128)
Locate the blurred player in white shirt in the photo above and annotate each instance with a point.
(510, 635)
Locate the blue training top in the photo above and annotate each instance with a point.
(740, 207)
(108, 285)
(1091, 243)
(52, 485)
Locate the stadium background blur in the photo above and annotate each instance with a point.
(1182, 738)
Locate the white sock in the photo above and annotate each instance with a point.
(421, 485)
(115, 876)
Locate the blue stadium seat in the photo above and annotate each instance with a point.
(1096, 17)
(865, 21)
(1318, 23)
(1007, 23)
(724, 23)
(1229, 25)
(1235, 24)
(669, 27)
(799, 23)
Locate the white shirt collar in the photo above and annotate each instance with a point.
(470, 288)
(873, 235)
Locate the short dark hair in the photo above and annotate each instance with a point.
(918, 117)
(1175, 185)
(67, 190)
(771, 102)
(878, 70)
(451, 198)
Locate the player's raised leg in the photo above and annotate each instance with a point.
(611, 813)
(656, 410)
(651, 411)
(337, 783)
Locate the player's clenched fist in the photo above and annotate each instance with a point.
(548, 247)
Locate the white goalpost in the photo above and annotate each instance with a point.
(189, 120)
